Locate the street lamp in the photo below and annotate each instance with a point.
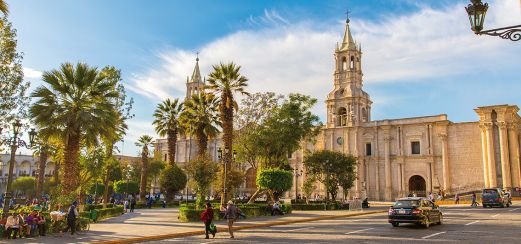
(220, 156)
(14, 142)
(477, 12)
(129, 172)
(297, 174)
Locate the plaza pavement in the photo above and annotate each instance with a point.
(147, 223)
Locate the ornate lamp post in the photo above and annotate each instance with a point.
(14, 142)
(129, 172)
(297, 173)
(477, 11)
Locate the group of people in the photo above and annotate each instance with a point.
(20, 225)
(230, 212)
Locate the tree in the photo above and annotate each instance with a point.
(123, 108)
(226, 81)
(275, 180)
(3, 7)
(122, 186)
(13, 99)
(43, 149)
(167, 124)
(78, 102)
(330, 168)
(172, 179)
(200, 118)
(202, 172)
(154, 169)
(26, 185)
(280, 132)
(309, 187)
(144, 142)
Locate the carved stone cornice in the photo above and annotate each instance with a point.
(486, 125)
(443, 137)
(513, 126)
(388, 138)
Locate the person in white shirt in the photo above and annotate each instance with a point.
(12, 225)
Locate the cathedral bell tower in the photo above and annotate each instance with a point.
(348, 105)
(195, 84)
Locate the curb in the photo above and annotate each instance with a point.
(220, 229)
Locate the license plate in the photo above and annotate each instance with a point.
(401, 211)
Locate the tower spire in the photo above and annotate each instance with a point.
(348, 41)
(196, 75)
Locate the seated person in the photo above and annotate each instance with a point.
(40, 220)
(23, 224)
(12, 225)
(276, 209)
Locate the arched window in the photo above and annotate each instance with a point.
(342, 117)
(344, 64)
(352, 63)
(364, 115)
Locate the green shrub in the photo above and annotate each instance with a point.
(188, 213)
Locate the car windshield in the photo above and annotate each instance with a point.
(407, 203)
(489, 192)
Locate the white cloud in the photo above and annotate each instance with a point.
(31, 73)
(298, 57)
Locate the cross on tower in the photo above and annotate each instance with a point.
(347, 15)
(197, 59)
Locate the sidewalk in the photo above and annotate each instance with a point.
(161, 222)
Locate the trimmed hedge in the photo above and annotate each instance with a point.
(88, 207)
(190, 214)
(319, 206)
(104, 213)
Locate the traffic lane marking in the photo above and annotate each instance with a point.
(358, 231)
(305, 228)
(473, 222)
(433, 235)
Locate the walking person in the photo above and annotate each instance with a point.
(132, 204)
(474, 202)
(456, 199)
(207, 218)
(72, 214)
(231, 216)
(126, 205)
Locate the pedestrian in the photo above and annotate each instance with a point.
(72, 214)
(207, 218)
(23, 224)
(32, 224)
(41, 223)
(164, 204)
(231, 216)
(12, 226)
(474, 202)
(125, 204)
(132, 204)
(456, 199)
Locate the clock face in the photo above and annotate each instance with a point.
(340, 140)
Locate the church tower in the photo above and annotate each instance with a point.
(348, 105)
(195, 84)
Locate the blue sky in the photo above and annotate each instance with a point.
(420, 57)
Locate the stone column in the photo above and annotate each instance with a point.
(505, 160)
(402, 177)
(445, 162)
(492, 175)
(514, 155)
(388, 179)
(484, 150)
(377, 179)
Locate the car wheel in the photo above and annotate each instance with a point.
(440, 221)
(395, 224)
(427, 223)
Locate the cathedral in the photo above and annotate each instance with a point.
(397, 157)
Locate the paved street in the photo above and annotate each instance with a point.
(461, 225)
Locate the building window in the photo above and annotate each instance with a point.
(352, 63)
(368, 151)
(344, 64)
(415, 147)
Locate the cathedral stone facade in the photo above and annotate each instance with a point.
(397, 157)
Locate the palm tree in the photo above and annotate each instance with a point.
(201, 114)
(144, 142)
(3, 7)
(77, 103)
(225, 81)
(167, 124)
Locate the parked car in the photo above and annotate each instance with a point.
(495, 197)
(417, 210)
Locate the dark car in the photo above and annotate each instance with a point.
(417, 210)
(495, 197)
